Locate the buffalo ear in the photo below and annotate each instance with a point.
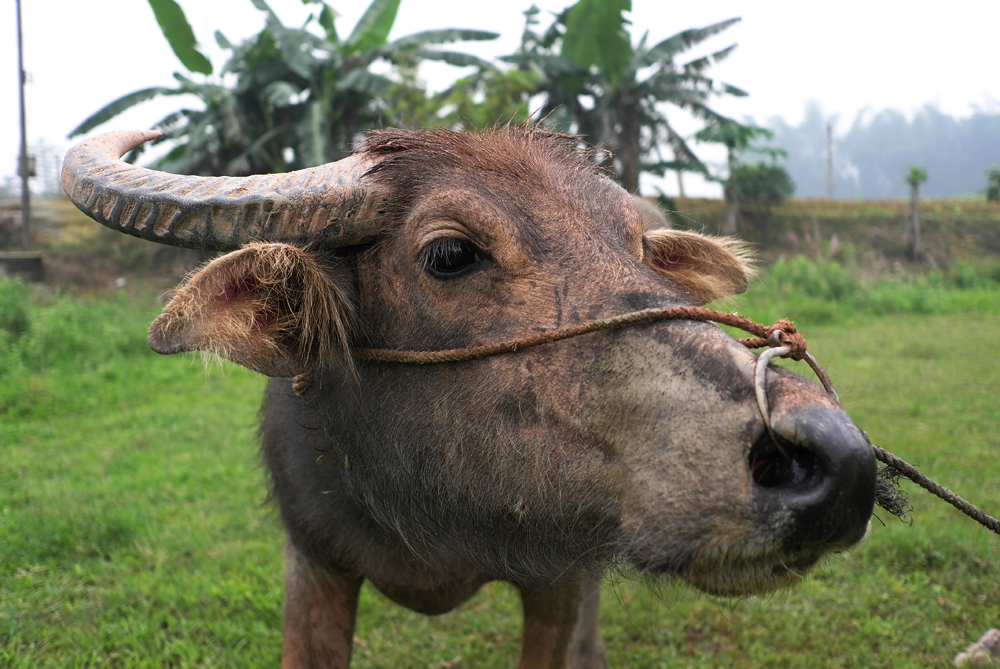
(272, 308)
(652, 215)
(706, 268)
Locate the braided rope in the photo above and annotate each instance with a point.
(763, 336)
(930, 486)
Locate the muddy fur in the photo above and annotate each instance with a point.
(272, 308)
(708, 268)
(406, 479)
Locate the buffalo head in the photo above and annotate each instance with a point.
(643, 444)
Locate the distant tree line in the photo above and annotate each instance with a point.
(870, 158)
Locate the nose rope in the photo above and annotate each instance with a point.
(784, 346)
(782, 340)
(762, 336)
(900, 468)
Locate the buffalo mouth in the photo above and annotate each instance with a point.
(808, 504)
(735, 577)
(756, 563)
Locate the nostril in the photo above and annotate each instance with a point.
(788, 466)
(819, 486)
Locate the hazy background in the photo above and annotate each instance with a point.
(934, 66)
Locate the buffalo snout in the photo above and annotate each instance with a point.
(821, 473)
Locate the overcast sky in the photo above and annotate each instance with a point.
(849, 55)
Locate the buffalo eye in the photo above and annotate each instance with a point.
(450, 258)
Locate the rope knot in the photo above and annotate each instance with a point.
(783, 333)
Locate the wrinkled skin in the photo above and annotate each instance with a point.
(537, 467)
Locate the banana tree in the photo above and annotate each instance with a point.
(300, 98)
(598, 84)
(487, 97)
(737, 138)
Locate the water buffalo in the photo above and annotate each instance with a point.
(641, 445)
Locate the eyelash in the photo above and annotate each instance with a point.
(449, 258)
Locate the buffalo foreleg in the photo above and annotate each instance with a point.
(549, 618)
(320, 607)
(586, 649)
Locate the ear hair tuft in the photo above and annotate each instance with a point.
(708, 268)
(273, 308)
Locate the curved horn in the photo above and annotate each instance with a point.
(327, 205)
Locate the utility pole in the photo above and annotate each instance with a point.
(24, 162)
(829, 161)
(680, 173)
(729, 192)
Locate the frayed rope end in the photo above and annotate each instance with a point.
(890, 496)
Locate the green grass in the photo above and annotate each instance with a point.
(134, 530)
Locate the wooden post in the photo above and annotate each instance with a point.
(915, 175)
(914, 220)
(829, 161)
(24, 162)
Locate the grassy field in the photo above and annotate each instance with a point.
(134, 530)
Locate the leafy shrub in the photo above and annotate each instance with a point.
(967, 277)
(993, 184)
(764, 183)
(13, 307)
(824, 280)
(819, 292)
